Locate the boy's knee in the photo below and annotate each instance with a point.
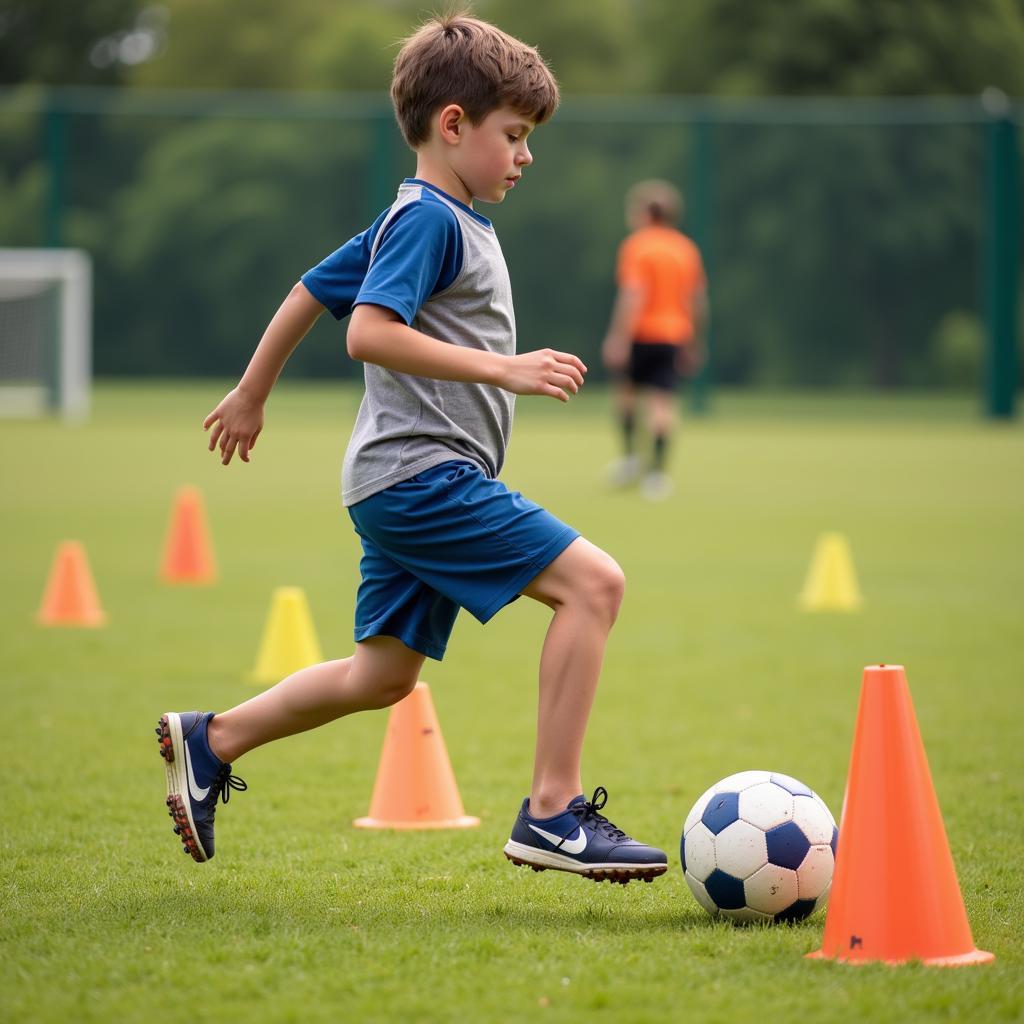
(383, 691)
(604, 587)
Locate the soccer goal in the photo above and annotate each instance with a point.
(45, 332)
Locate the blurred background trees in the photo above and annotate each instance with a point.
(842, 253)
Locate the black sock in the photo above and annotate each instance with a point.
(660, 451)
(628, 432)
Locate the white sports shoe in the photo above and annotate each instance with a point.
(625, 472)
(656, 486)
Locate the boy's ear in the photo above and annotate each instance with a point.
(449, 123)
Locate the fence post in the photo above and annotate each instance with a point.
(55, 129)
(1002, 217)
(700, 204)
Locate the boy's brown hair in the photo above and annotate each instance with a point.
(454, 58)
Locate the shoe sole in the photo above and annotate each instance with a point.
(172, 747)
(620, 872)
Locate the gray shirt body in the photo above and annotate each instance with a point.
(407, 424)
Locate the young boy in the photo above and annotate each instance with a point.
(655, 332)
(432, 320)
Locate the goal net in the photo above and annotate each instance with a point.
(45, 332)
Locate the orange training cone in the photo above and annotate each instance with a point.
(289, 640)
(70, 597)
(188, 553)
(895, 895)
(415, 785)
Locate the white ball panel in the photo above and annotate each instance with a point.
(701, 895)
(740, 781)
(771, 889)
(700, 851)
(813, 818)
(746, 915)
(698, 810)
(766, 805)
(824, 806)
(815, 874)
(740, 849)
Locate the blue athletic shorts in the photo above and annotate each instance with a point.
(447, 538)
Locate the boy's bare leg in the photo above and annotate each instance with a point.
(584, 586)
(380, 673)
(198, 747)
(558, 828)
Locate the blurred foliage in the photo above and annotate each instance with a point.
(838, 251)
(51, 41)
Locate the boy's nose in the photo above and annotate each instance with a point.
(525, 157)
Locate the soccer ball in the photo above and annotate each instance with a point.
(759, 846)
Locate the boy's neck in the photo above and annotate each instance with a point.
(437, 173)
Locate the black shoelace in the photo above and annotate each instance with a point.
(222, 785)
(588, 812)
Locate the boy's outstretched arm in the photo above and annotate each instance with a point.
(378, 335)
(238, 419)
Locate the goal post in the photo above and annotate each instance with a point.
(45, 332)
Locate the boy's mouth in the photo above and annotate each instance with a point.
(511, 181)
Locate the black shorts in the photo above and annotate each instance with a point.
(653, 365)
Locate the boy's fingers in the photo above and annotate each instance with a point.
(210, 418)
(566, 382)
(215, 436)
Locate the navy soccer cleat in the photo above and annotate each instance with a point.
(196, 779)
(581, 840)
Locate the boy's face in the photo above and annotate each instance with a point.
(490, 156)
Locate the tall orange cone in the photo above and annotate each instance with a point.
(289, 640)
(831, 584)
(895, 895)
(70, 597)
(415, 785)
(188, 553)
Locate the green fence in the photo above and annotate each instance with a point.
(849, 243)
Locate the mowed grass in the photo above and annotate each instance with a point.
(711, 669)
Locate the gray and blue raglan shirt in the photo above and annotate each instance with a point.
(436, 263)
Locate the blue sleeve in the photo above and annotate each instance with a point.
(336, 281)
(420, 254)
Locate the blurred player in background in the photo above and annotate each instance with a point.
(656, 334)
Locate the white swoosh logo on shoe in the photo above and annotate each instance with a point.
(573, 846)
(197, 793)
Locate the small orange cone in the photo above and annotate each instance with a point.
(415, 785)
(895, 895)
(188, 553)
(289, 640)
(70, 597)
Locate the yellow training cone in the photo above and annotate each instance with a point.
(289, 639)
(831, 584)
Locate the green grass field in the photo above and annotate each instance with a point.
(711, 669)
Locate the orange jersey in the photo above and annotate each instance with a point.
(666, 267)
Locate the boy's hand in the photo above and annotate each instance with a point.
(237, 422)
(545, 372)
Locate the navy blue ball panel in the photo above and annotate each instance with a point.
(790, 784)
(796, 911)
(726, 891)
(722, 810)
(787, 845)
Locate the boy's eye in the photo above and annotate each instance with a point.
(513, 138)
